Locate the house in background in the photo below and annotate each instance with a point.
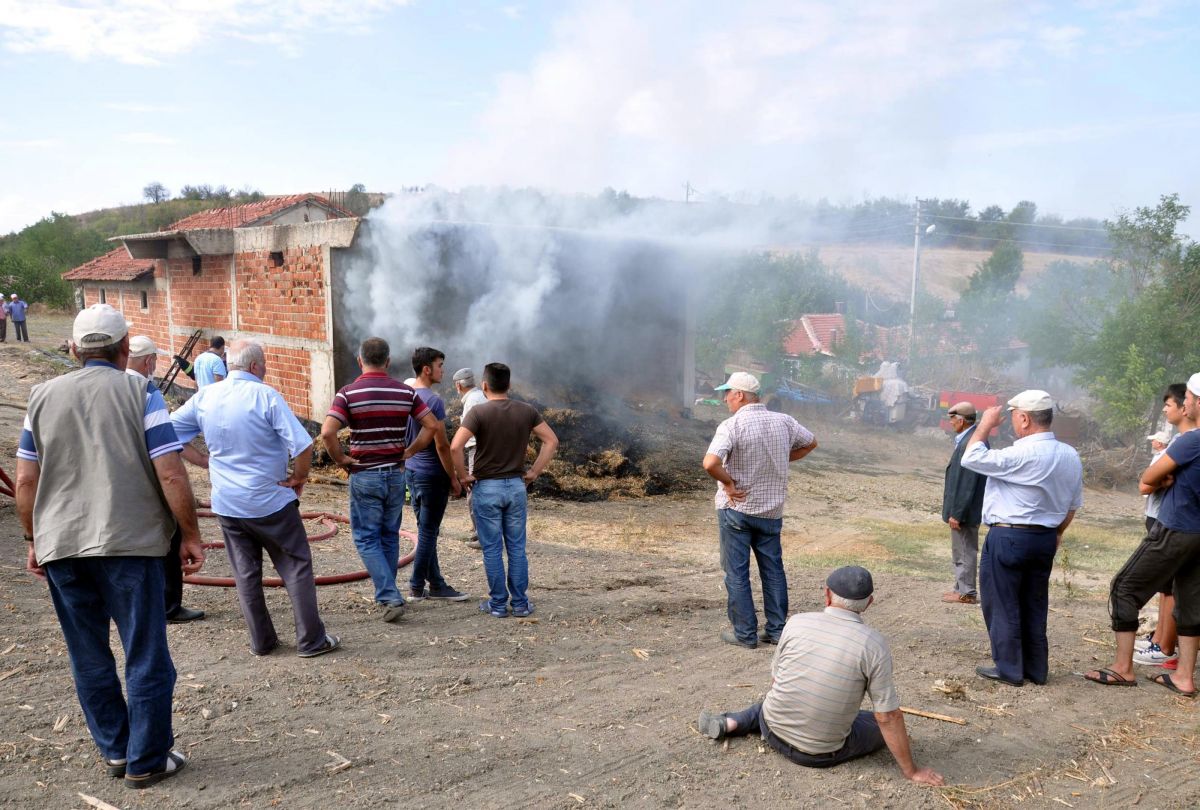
(824, 333)
(261, 270)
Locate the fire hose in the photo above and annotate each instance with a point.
(330, 521)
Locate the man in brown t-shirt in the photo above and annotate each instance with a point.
(501, 428)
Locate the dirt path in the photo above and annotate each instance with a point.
(593, 701)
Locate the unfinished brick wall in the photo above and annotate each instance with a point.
(284, 296)
(289, 372)
(204, 300)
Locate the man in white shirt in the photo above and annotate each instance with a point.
(464, 384)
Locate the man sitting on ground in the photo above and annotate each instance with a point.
(824, 664)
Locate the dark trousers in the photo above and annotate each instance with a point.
(3, 329)
(864, 738)
(173, 575)
(283, 537)
(429, 494)
(1014, 586)
(1165, 560)
(89, 593)
(22, 332)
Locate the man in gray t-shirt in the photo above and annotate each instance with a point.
(823, 666)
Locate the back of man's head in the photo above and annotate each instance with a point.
(375, 352)
(244, 353)
(217, 343)
(497, 376)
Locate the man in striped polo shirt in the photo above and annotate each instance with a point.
(376, 408)
(823, 666)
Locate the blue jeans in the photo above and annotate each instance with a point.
(740, 534)
(429, 494)
(376, 505)
(1014, 590)
(499, 506)
(87, 593)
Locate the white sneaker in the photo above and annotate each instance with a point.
(1143, 643)
(1153, 656)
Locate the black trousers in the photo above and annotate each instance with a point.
(22, 332)
(173, 575)
(3, 329)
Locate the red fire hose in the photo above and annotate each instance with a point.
(330, 520)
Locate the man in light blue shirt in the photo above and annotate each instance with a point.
(1033, 490)
(251, 434)
(16, 312)
(209, 367)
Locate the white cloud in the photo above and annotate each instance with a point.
(147, 138)
(1076, 133)
(136, 107)
(146, 32)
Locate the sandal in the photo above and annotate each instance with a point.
(1164, 679)
(176, 762)
(1106, 677)
(332, 642)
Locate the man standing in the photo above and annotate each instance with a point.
(962, 508)
(16, 311)
(251, 433)
(1170, 553)
(823, 666)
(429, 475)
(502, 427)
(209, 367)
(749, 457)
(3, 319)
(98, 516)
(1033, 491)
(143, 357)
(376, 408)
(464, 385)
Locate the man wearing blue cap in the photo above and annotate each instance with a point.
(749, 457)
(824, 664)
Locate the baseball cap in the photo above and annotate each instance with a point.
(1031, 400)
(103, 324)
(851, 582)
(1193, 384)
(740, 381)
(14, 295)
(961, 409)
(465, 376)
(1162, 437)
(140, 346)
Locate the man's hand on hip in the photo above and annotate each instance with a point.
(733, 493)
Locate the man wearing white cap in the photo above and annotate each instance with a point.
(1169, 554)
(143, 358)
(1033, 491)
(98, 516)
(749, 457)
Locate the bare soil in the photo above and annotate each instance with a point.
(592, 702)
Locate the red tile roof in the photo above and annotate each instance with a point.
(241, 215)
(820, 334)
(116, 265)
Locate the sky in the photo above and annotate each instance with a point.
(1088, 108)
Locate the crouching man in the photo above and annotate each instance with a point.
(824, 664)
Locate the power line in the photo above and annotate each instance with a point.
(1020, 224)
(952, 236)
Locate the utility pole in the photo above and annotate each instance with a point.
(688, 191)
(912, 300)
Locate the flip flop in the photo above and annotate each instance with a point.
(1164, 679)
(1109, 678)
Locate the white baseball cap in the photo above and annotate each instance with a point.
(1193, 384)
(140, 346)
(1162, 437)
(740, 381)
(102, 324)
(1031, 400)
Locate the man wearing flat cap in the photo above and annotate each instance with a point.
(143, 358)
(1033, 490)
(749, 457)
(824, 664)
(471, 395)
(962, 508)
(100, 487)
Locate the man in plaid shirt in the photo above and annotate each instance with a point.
(749, 458)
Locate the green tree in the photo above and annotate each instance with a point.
(987, 308)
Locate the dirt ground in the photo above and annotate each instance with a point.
(593, 701)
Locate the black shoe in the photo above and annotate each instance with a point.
(712, 725)
(113, 767)
(176, 762)
(993, 674)
(729, 637)
(185, 615)
(765, 638)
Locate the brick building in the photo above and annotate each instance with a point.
(262, 270)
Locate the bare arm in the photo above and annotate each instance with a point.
(299, 475)
(1062, 527)
(990, 420)
(28, 474)
(177, 489)
(549, 447)
(716, 469)
(891, 725)
(1156, 474)
(801, 452)
(442, 444)
(458, 454)
(329, 438)
(429, 424)
(194, 456)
